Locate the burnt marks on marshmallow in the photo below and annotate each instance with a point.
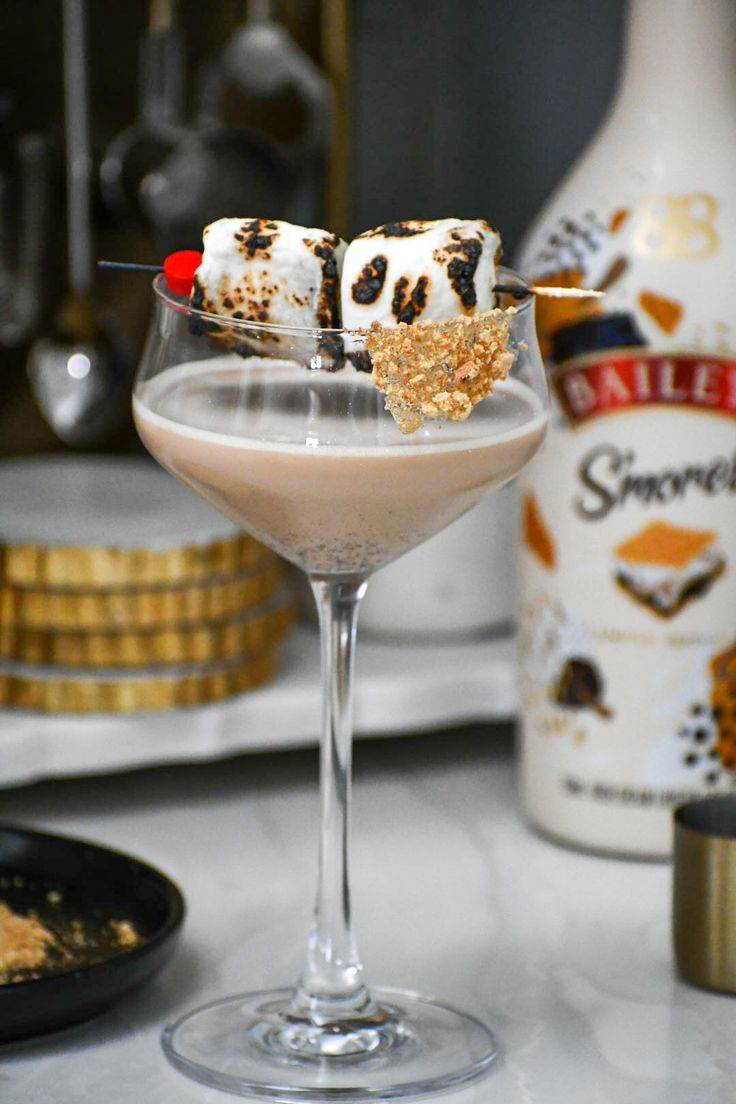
(460, 258)
(369, 284)
(328, 300)
(406, 306)
(198, 301)
(197, 297)
(361, 360)
(331, 350)
(256, 239)
(409, 228)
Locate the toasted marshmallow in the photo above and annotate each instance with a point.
(419, 271)
(264, 270)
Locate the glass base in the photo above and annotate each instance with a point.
(256, 1045)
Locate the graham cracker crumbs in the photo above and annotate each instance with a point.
(125, 933)
(24, 942)
(51, 941)
(439, 369)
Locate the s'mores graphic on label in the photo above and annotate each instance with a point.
(666, 566)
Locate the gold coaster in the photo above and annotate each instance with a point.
(94, 522)
(132, 693)
(69, 566)
(248, 634)
(104, 610)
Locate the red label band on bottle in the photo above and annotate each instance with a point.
(618, 381)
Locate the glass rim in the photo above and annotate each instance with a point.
(181, 306)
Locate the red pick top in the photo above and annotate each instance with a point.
(179, 269)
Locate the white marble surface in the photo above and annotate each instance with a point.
(566, 955)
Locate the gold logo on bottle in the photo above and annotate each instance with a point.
(676, 226)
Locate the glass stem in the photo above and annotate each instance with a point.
(331, 987)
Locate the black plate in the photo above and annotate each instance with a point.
(58, 876)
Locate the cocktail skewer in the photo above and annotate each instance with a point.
(133, 266)
(551, 292)
(179, 269)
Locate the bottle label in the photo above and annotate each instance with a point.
(610, 384)
(628, 625)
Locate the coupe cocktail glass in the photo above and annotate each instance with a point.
(278, 429)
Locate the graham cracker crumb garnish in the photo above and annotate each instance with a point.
(439, 370)
(665, 312)
(24, 942)
(664, 544)
(537, 537)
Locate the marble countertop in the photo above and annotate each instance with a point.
(567, 956)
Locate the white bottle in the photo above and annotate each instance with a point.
(424, 598)
(628, 589)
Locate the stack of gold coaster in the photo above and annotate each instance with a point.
(121, 591)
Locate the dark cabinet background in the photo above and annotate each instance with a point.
(463, 107)
(475, 107)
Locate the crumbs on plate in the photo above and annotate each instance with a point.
(31, 947)
(23, 942)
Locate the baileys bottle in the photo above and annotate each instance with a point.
(628, 579)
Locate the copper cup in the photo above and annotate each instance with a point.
(704, 892)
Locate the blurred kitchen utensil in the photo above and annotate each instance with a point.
(24, 196)
(263, 62)
(223, 169)
(140, 148)
(79, 374)
(213, 172)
